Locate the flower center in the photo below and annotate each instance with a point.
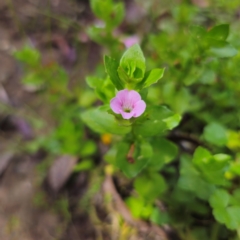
(127, 106)
(127, 110)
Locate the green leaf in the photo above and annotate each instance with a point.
(226, 51)
(33, 79)
(220, 49)
(164, 151)
(216, 178)
(150, 186)
(87, 98)
(152, 77)
(140, 158)
(191, 180)
(28, 55)
(198, 32)
(117, 15)
(172, 121)
(179, 99)
(159, 217)
(229, 216)
(192, 75)
(88, 148)
(194, 183)
(216, 162)
(102, 122)
(111, 66)
(233, 140)
(102, 8)
(235, 198)
(154, 123)
(234, 216)
(219, 32)
(221, 215)
(132, 65)
(201, 155)
(104, 88)
(212, 167)
(144, 94)
(235, 168)
(98, 35)
(182, 196)
(111, 154)
(219, 162)
(208, 76)
(106, 10)
(94, 82)
(138, 207)
(220, 199)
(86, 164)
(216, 134)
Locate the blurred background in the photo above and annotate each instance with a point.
(52, 180)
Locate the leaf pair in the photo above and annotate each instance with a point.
(158, 120)
(212, 167)
(214, 40)
(130, 71)
(111, 13)
(226, 208)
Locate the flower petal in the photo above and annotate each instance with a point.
(128, 100)
(134, 96)
(139, 108)
(127, 115)
(122, 95)
(115, 105)
(128, 96)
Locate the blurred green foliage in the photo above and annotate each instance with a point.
(198, 49)
(185, 148)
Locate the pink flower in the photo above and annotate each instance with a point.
(128, 103)
(129, 41)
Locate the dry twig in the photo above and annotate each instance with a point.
(109, 188)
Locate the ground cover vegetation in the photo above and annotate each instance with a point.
(154, 125)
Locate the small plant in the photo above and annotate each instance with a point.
(175, 139)
(141, 125)
(38, 75)
(143, 151)
(110, 15)
(52, 80)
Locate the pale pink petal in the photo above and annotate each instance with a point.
(127, 115)
(128, 103)
(115, 105)
(131, 40)
(134, 96)
(122, 95)
(130, 99)
(139, 108)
